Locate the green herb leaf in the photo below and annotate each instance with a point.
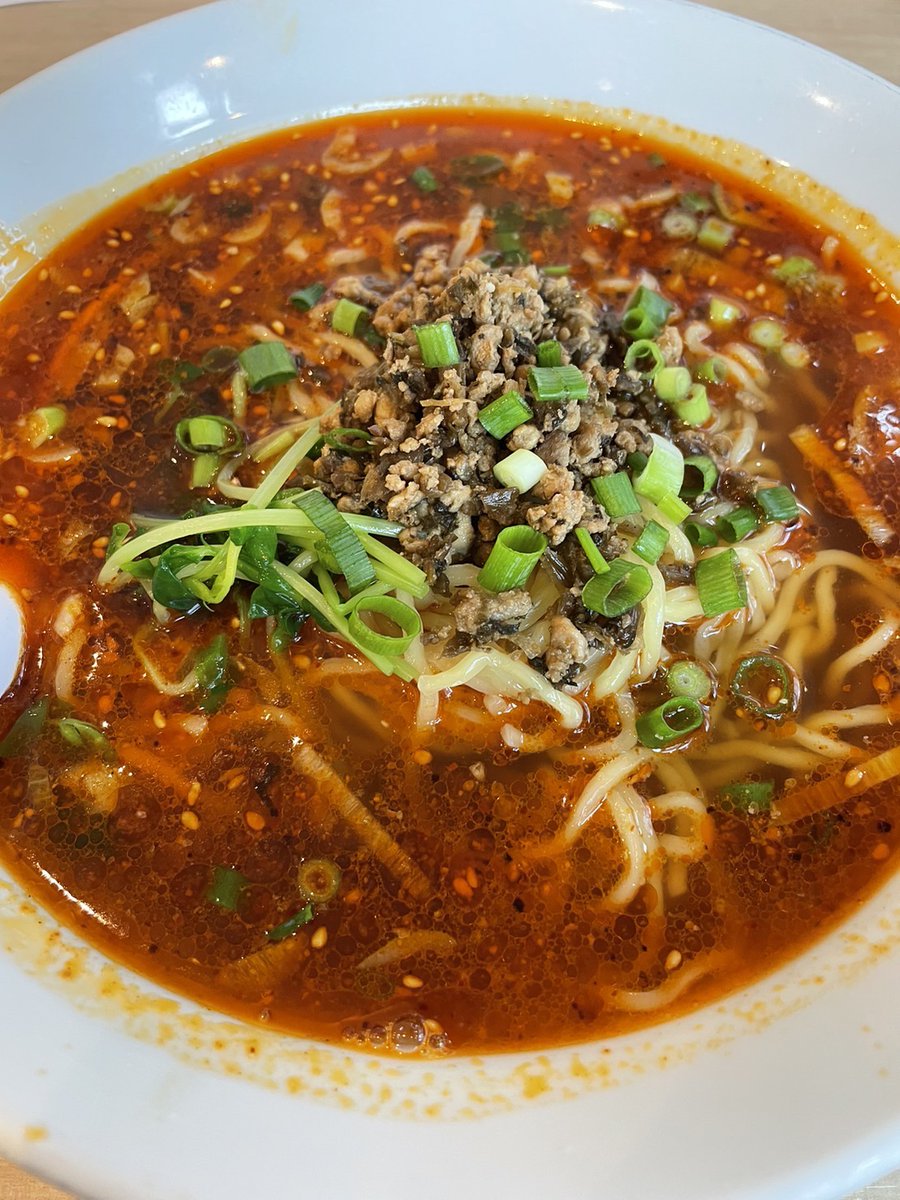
(26, 729)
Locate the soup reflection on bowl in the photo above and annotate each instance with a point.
(455, 549)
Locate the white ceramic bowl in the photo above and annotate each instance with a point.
(788, 1090)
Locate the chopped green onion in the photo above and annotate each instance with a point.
(796, 355)
(765, 333)
(342, 542)
(424, 180)
(673, 507)
(672, 383)
(25, 730)
(318, 880)
(346, 315)
(267, 364)
(291, 925)
(393, 645)
(645, 357)
(616, 494)
(677, 224)
(664, 472)
(778, 504)
(766, 686)
(348, 441)
(203, 435)
(712, 370)
(226, 887)
(694, 410)
(81, 735)
(204, 469)
(218, 359)
(437, 344)
(549, 354)
(505, 414)
(723, 312)
(655, 159)
(700, 535)
(696, 202)
(738, 524)
(520, 470)
(597, 562)
(557, 385)
(651, 541)
(668, 723)
(689, 678)
(557, 271)
(795, 270)
(603, 218)
(513, 557)
(715, 234)
(239, 394)
(637, 461)
(720, 582)
(44, 423)
(477, 166)
(700, 476)
(645, 314)
(308, 297)
(748, 796)
(618, 590)
(509, 243)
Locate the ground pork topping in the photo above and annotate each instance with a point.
(430, 463)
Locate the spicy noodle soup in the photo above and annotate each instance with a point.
(456, 555)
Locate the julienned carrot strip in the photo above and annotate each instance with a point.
(71, 357)
(848, 486)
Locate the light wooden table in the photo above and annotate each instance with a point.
(34, 36)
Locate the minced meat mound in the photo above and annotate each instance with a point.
(430, 463)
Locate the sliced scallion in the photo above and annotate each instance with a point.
(715, 234)
(750, 796)
(308, 297)
(346, 315)
(694, 409)
(405, 618)
(651, 541)
(766, 333)
(226, 887)
(204, 435)
(688, 678)
(618, 589)
(557, 271)
(424, 180)
(723, 312)
(673, 507)
(671, 721)
(795, 270)
(437, 344)
(778, 503)
(505, 414)
(44, 423)
(557, 385)
(645, 313)
(25, 730)
(677, 224)
(645, 357)
(672, 383)
(700, 535)
(605, 218)
(712, 370)
(664, 473)
(615, 494)
(720, 582)
(700, 476)
(520, 470)
(267, 364)
(319, 880)
(738, 524)
(766, 686)
(549, 354)
(289, 927)
(598, 563)
(342, 542)
(513, 557)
